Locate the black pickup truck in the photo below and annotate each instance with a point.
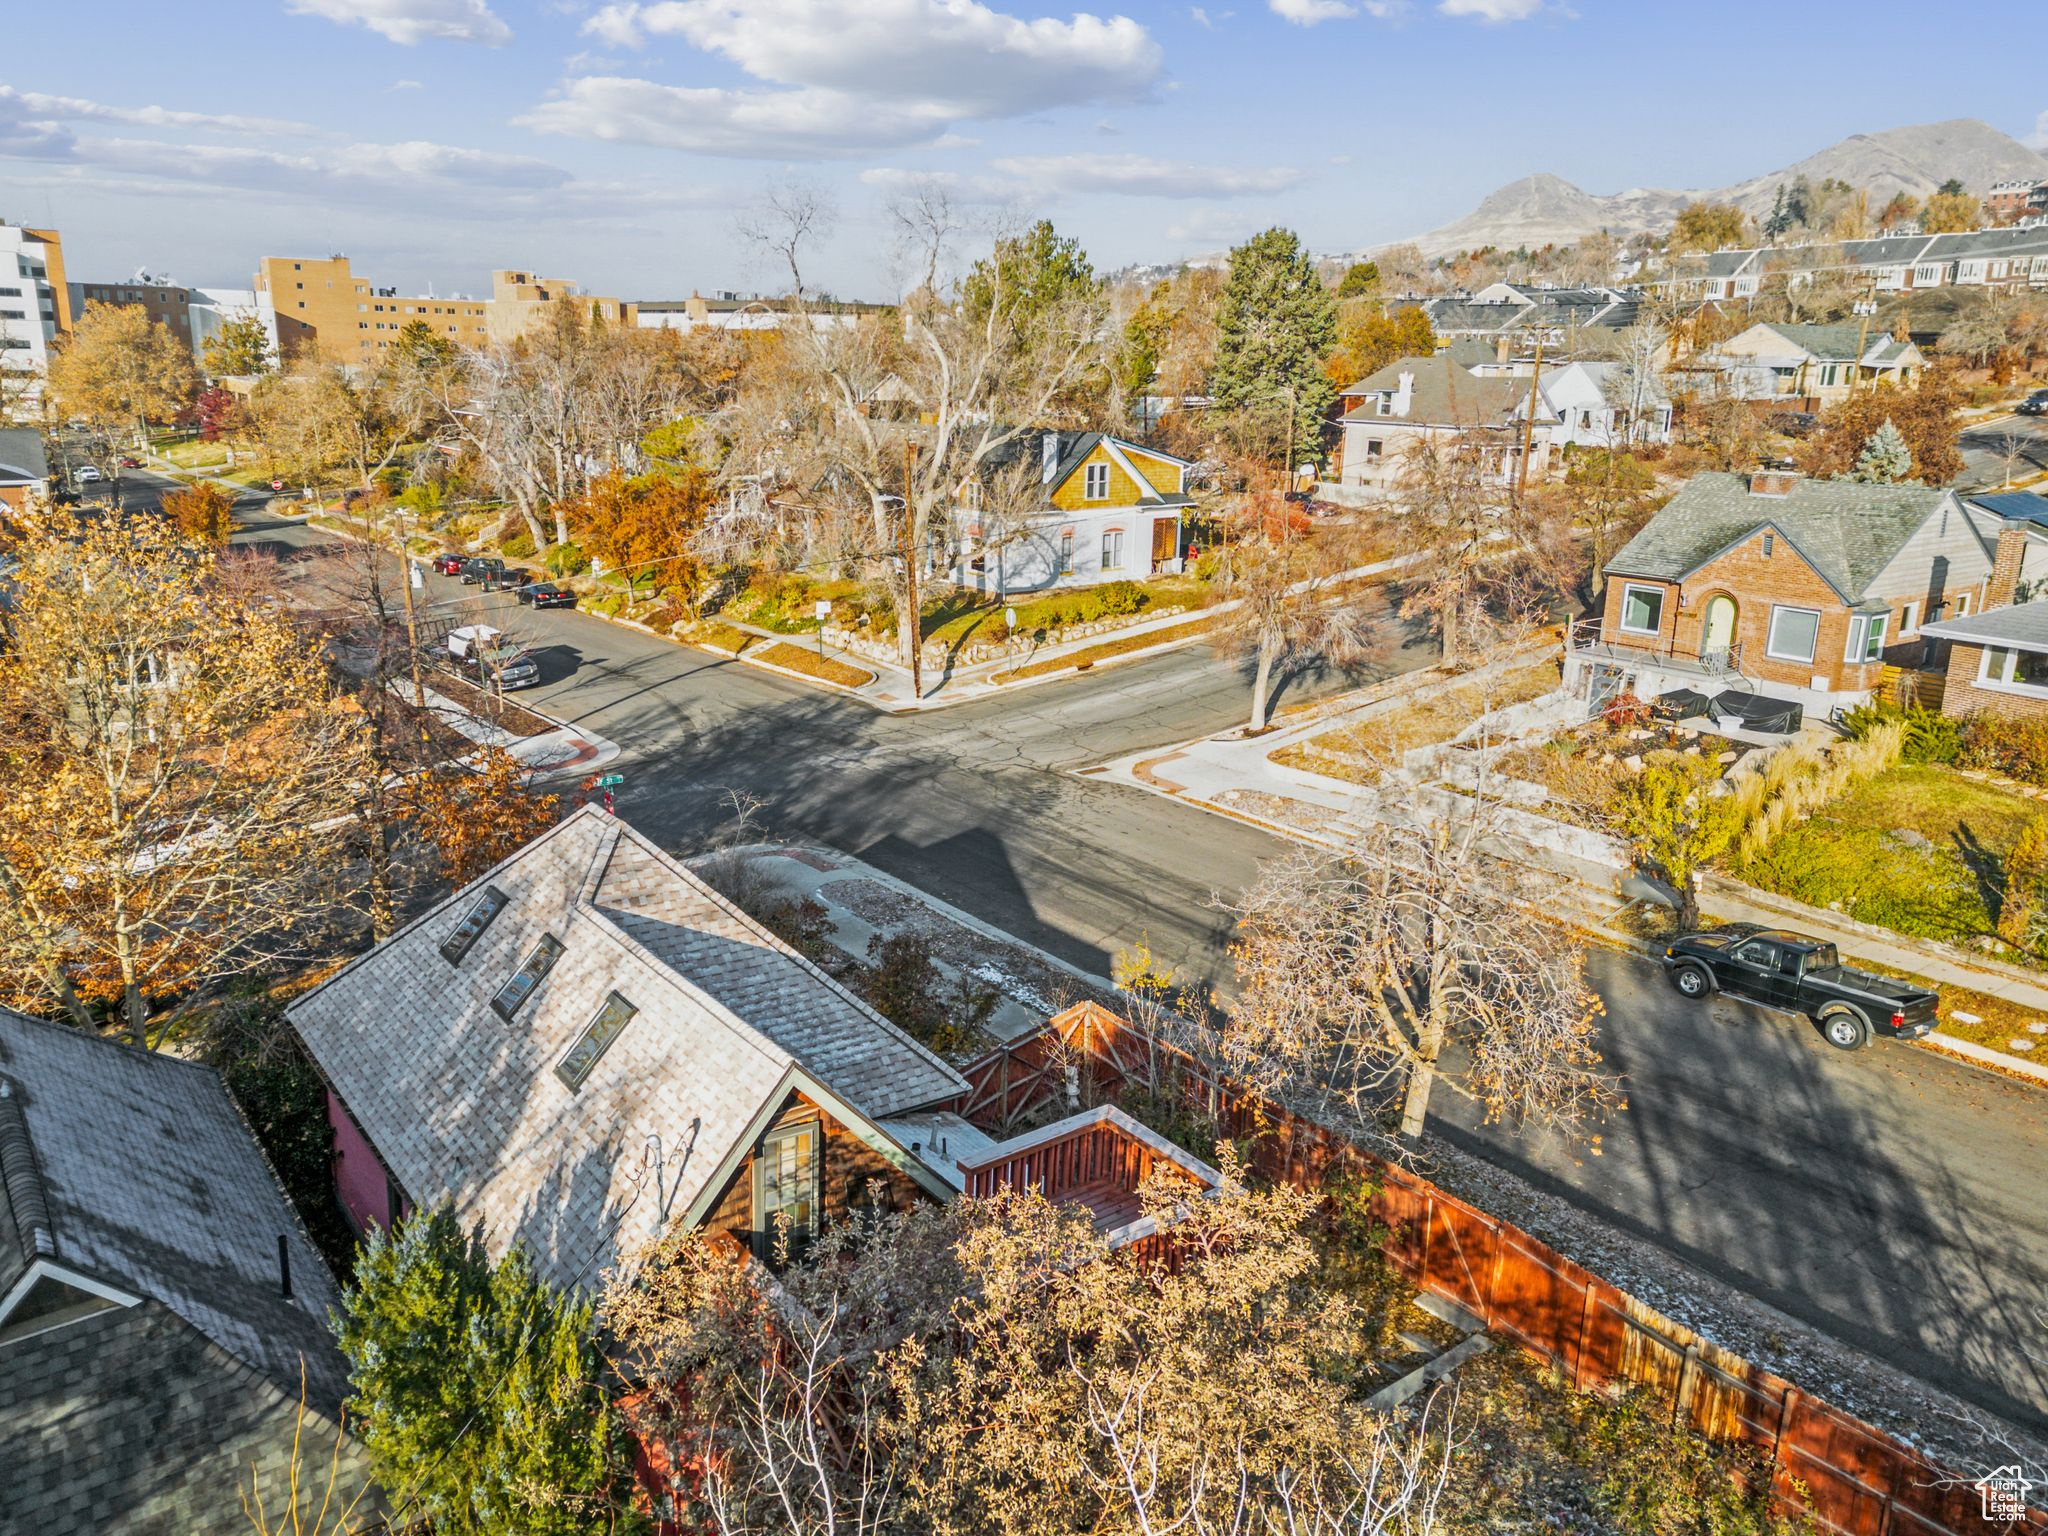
(1790, 971)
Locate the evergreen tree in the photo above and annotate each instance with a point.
(1885, 459)
(1274, 327)
(1361, 280)
(476, 1387)
(1028, 275)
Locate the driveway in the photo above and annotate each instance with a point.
(1985, 448)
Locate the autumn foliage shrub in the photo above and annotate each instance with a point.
(2015, 748)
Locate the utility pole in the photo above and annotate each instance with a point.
(1529, 424)
(910, 570)
(1862, 345)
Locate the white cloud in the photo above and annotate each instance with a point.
(1214, 226)
(1492, 10)
(2039, 138)
(413, 21)
(404, 85)
(1143, 176)
(855, 74)
(74, 109)
(773, 125)
(1308, 13)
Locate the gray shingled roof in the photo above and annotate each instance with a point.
(1846, 531)
(2022, 627)
(135, 1169)
(130, 1420)
(1445, 395)
(467, 1108)
(21, 454)
(1842, 343)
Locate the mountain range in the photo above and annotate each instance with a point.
(1544, 209)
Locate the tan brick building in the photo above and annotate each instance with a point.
(521, 300)
(1803, 590)
(324, 309)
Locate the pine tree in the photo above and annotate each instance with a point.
(1885, 459)
(1274, 327)
(476, 1387)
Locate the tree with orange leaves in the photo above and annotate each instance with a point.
(477, 814)
(203, 512)
(172, 755)
(646, 522)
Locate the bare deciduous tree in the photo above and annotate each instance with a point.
(1359, 970)
(1286, 586)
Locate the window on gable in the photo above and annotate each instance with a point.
(519, 987)
(1095, 482)
(596, 1038)
(473, 924)
(786, 1195)
(1642, 610)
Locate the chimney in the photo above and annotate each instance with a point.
(1048, 455)
(1773, 480)
(2003, 586)
(1500, 350)
(1404, 397)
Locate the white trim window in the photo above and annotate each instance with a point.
(1794, 634)
(1866, 637)
(1962, 606)
(1909, 620)
(1095, 482)
(1642, 610)
(2011, 671)
(1112, 549)
(1375, 447)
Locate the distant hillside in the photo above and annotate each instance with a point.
(1543, 209)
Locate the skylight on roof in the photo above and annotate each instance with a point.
(472, 926)
(610, 1022)
(538, 962)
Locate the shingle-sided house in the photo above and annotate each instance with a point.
(1108, 509)
(1804, 588)
(1390, 415)
(589, 1045)
(1810, 367)
(159, 1301)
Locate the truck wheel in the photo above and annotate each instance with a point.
(1845, 1029)
(1692, 981)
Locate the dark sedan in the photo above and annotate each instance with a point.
(546, 594)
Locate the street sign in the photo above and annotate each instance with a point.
(1010, 617)
(823, 610)
(610, 780)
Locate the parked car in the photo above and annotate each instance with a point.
(448, 563)
(477, 567)
(485, 656)
(546, 594)
(1793, 423)
(129, 461)
(506, 579)
(88, 474)
(2035, 404)
(1802, 975)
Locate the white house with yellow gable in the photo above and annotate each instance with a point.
(1110, 510)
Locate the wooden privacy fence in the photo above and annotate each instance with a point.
(1852, 1477)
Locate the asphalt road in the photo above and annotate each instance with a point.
(1891, 1198)
(1984, 449)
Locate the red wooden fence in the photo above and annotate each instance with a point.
(1852, 1477)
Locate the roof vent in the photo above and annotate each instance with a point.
(1773, 480)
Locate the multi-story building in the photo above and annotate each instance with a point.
(519, 301)
(2010, 201)
(194, 315)
(1897, 263)
(35, 309)
(324, 309)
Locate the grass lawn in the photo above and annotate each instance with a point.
(972, 618)
(1083, 659)
(1358, 753)
(797, 658)
(1920, 850)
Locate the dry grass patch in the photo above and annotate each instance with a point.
(1360, 753)
(1084, 659)
(794, 658)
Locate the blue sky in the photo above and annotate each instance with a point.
(618, 143)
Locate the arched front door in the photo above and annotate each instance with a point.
(1718, 640)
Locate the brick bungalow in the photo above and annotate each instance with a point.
(1804, 590)
(1998, 656)
(589, 1046)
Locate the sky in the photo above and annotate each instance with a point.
(623, 143)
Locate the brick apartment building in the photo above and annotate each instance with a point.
(325, 309)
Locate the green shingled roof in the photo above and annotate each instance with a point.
(1846, 531)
